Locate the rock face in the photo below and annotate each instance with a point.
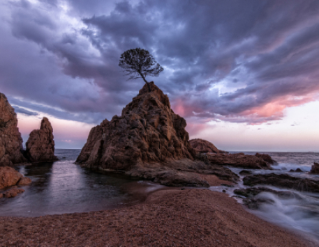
(237, 160)
(10, 177)
(315, 168)
(284, 181)
(40, 145)
(203, 146)
(10, 137)
(150, 141)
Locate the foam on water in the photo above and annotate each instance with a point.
(300, 212)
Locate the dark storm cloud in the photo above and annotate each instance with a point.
(227, 60)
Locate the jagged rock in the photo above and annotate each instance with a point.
(315, 168)
(203, 146)
(283, 180)
(267, 158)
(40, 145)
(10, 177)
(10, 137)
(13, 192)
(238, 160)
(147, 139)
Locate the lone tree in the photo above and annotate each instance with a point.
(138, 63)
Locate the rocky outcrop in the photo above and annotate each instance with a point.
(203, 146)
(148, 141)
(10, 137)
(236, 160)
(284, 181)
(315, 168)
(40, 145)
(267, 158)
(10, 177)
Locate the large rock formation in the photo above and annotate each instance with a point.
(150, 141)
(10, 177)
(10, 137)
(284, 181)
(203, 146)
(40, 145)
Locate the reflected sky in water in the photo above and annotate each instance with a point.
(64, 187)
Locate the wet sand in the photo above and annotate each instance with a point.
(169, 217)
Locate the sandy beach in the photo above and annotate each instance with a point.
(168, 217)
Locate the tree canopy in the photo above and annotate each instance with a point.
(138, 63)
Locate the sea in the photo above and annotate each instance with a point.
(65, 187)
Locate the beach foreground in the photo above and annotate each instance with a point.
(169, 217)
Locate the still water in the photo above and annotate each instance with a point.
(64, 187)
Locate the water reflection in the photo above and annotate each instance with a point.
(63, 187)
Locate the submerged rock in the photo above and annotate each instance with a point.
(10, 137)
(149, 141)
(10, 177)
(245, 172)
(40, 145)
(297, 170)
(13, 192)
(284, 181)
(253, 202)
(203, 146)
(315, 168)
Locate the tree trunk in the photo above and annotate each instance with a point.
(148, 85)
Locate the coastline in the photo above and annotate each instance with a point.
(167, 217)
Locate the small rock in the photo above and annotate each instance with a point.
(13, 192)
(24, 181)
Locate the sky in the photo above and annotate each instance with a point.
(243, 73)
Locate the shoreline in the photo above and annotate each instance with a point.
(167, 217)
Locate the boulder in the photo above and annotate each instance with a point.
(203, 146)
(148, 141)
(237, 160)
(13, 192)
(9, 177)
(40, 145)
(315, 168)
(284, 181)
(267, 158)
(10, 137)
